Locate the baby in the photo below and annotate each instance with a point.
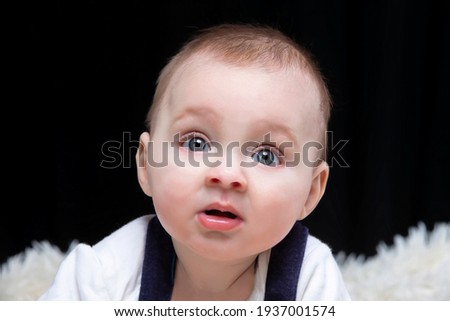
(233, 161)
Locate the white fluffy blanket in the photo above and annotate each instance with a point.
(416, 267)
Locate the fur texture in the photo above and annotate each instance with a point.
(416, 267)
(413, 268)
(27, 275)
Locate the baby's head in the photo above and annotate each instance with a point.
(247, 46)
(234, 133)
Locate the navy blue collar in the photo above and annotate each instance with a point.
(282, 276)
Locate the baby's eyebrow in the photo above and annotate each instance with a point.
(197, 111)
(272, 130)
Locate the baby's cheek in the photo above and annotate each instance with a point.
(173, 199)
(174, 185)
(287, 193)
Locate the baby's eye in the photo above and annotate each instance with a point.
(196, 144)
(267, 156)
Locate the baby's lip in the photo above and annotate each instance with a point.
(222, 209)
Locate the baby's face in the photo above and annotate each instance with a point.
(226, 170)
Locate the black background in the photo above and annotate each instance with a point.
(386, 63)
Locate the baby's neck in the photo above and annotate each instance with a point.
(199, 279)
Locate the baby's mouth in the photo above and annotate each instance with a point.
(221, 214)
(221, 218)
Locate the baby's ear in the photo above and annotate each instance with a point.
(142, 163)
(318, 184)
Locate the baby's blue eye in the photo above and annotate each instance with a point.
(196, 144)
(266, 157)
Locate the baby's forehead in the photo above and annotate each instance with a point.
(198, 74)
(201, 64)
(199, 60)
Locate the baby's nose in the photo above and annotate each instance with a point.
(227, 177)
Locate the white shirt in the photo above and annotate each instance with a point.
(111, 270)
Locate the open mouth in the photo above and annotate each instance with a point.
(220, 214)
(219, 217)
